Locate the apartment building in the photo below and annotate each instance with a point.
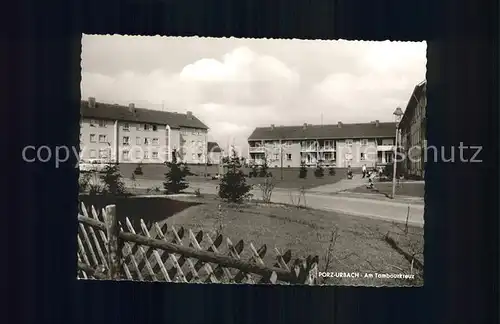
(126, 134)
(214, 153)
(413, 132)
(339, 145)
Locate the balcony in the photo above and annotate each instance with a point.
(384, 148)
(256, 149)
(327, 149)
(308, 148)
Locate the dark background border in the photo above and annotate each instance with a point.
(41, 60)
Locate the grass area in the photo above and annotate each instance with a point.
(359, 245)
(385, 188)
(290, 175)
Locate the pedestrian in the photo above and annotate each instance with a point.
(349, 172)
(364, 170)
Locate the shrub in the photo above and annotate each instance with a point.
(303, 170)
(138, 169)
(332, 171)
(84, 182)
(233, 186)
(112, 180)
(255, 172)
(175, 178)
(319, 172)
(267, 188)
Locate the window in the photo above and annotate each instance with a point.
(146, 141)
(289, 157)
(92, 138)
(92, 154)
(103, 139)
(102, 123)
(276, 157)
(126, 140)
(194, 156)
(199, 155)
(92, 123)
(138, 140)
(155, 128)
(125, 155)
(126, 127)
(146, 127)
(155, 141)
(155, 155)
(362, 156)
(146, 154)
(138, 154)
(103, 153)
(364, 142)
(348, 142)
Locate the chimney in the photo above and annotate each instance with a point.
(272, 126)
(131, 107)
(304, 126)
(377, 123)
(340, 124)
(189, 114)
(91, 102)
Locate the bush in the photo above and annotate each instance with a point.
(138, 169)
(319, 172)
(303, 170)
(175, 178)
(84, 182)
(233, 186)
(332, 171)
(112, 180)
(255, 172)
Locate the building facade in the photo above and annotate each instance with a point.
(413, 133)
(214, 153)
(121, 134)
(340, 145)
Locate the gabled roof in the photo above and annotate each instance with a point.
(213, 147)
(418, 92)
(345, 131)
(139, 115)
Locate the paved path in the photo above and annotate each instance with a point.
(342, 185)
(381, 209)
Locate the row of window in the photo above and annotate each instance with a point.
(140, 141)
(125, 127)
(145, 155)
(326, 143)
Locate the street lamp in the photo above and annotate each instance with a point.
(398, 113)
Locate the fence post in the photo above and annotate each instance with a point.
(114, 252)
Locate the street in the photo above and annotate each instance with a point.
(360, 207)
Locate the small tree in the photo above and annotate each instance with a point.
(319, 172)
(112, 180)
(331, 171)
(303, 170)
(175, 178)
(233, 186)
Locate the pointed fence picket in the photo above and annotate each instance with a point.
(162, 253)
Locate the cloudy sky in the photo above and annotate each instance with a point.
(234, 85)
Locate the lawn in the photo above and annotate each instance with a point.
(403, 189)
(290, 175)
(359, 246)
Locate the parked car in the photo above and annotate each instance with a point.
(95, 165)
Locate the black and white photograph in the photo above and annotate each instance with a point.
(252, 161)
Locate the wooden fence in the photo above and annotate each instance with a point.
(108, 249)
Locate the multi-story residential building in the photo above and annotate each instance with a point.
(122, 134)
(214, 153)
(338, 145)
(413, 133)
